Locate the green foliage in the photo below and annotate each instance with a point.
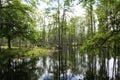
(24, 52)
(17, 20)
(108, 27)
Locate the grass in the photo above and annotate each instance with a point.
(23, 52)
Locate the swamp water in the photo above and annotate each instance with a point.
(62, 65)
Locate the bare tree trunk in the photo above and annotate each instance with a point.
(44, 36)
(91, 19)
(59, 39)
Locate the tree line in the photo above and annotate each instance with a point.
(98, 27)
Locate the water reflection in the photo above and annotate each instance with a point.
(18, 69)
(67, 64)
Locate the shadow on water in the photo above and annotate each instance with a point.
(66, 64)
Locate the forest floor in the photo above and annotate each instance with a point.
(24, 52)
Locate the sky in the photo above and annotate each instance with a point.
(77, 10)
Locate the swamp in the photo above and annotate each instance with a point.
(59, 39)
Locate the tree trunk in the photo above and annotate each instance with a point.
(0, 48)
(0, 33)
(9, 42)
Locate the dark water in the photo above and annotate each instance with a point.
(62, 65)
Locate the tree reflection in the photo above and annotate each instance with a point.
(66, 64)
(18, 69)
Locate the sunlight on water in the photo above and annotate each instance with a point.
(71, 67)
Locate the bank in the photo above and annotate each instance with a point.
(24, 52)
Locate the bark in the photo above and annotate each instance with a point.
(9, 42)
(59, 37)
(0, 26)
(0, 4)
(0, 48)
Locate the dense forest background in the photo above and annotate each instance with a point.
(23, 24)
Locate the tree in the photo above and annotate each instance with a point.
(107, 13)
(17, 20)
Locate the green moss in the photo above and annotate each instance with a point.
(24, 52)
